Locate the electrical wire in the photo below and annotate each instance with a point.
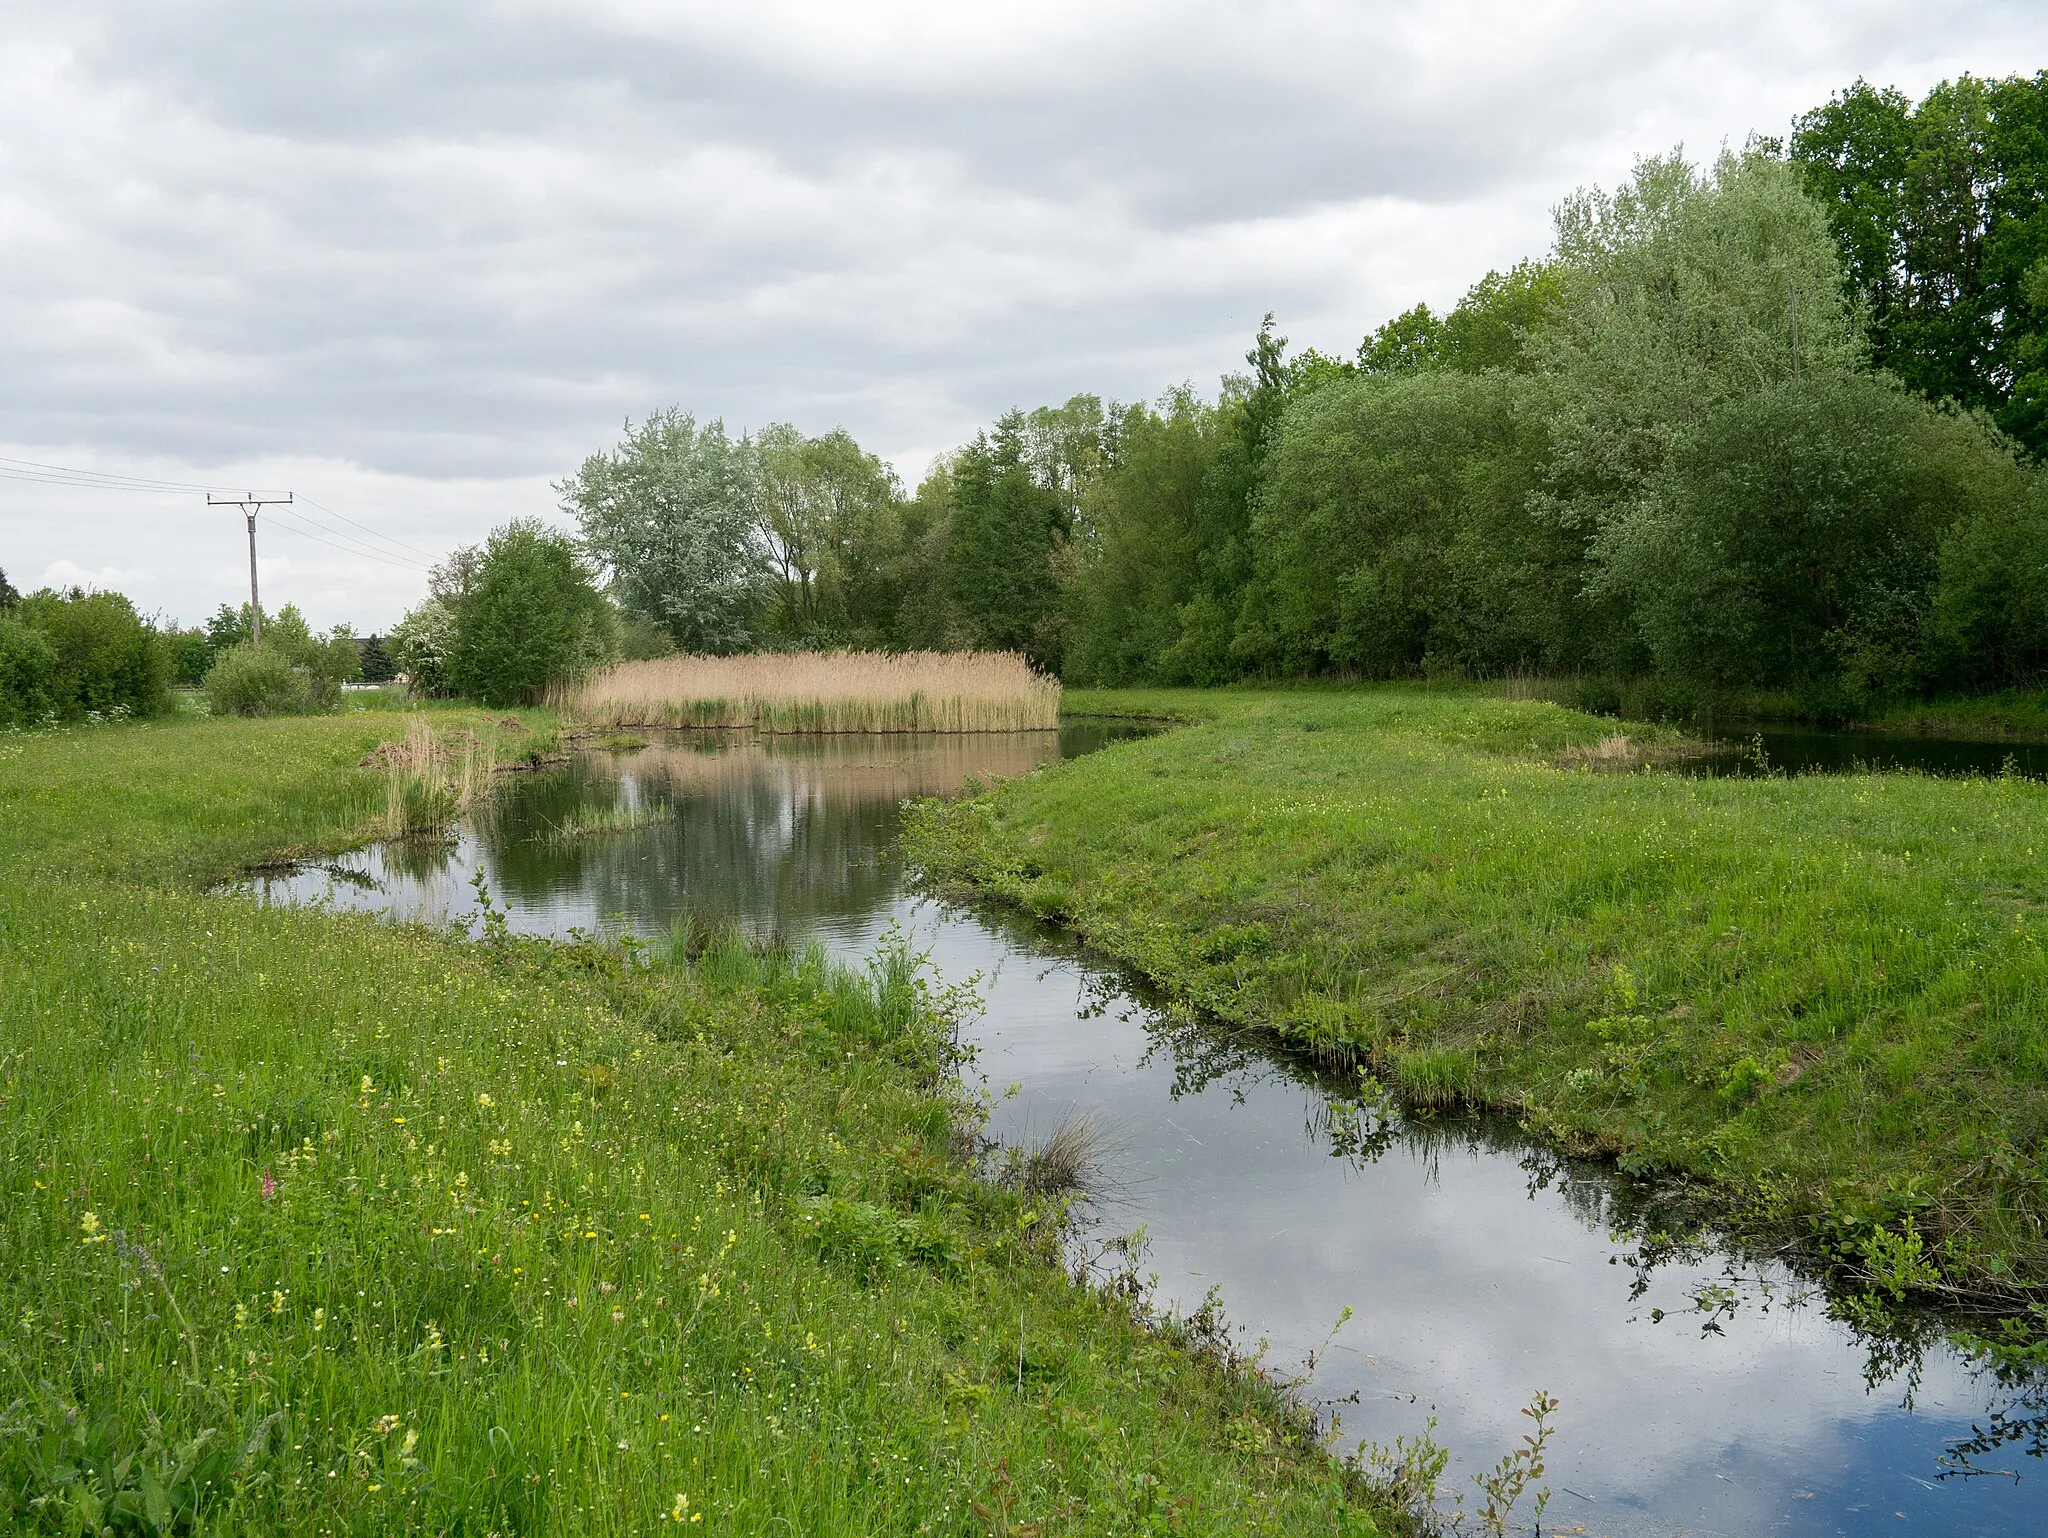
(37, 472)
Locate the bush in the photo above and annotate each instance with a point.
(28, 663)
(186, 656)
(531, 618)
(291, 672)
(250, 680)
(106, 658)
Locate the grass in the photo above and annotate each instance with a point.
(1824, 997)
(597, 821)
(823, 692)
(311, 1224)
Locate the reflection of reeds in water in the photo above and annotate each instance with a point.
(822, 692)
(593, 821)
(429, 781)
(847, 771)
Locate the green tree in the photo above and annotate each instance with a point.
(1393, 530)
(1940, 210)
(1794, 538)
(1006, 532)
(1988, 617)
(8, 597)
(532, 617)
(187, 655)
(831, 520)
(672, 515)
(28, 672)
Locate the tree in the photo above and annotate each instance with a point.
(532, 617)
(420, 645)
(830, 516)
(1794, 538)
(1393, 532)
(8, 597)
(376, 660)
(1940, 211)
(1006, 531)
(671, 515)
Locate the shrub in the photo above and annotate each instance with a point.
(250, 680)
(531, 618)
(28, 663)
(186, 656)
(108, 659)
(291, 672)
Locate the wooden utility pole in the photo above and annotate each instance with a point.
(249, 502)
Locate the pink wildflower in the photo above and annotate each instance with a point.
(269, 1186)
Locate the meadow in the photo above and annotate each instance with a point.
(313, 1224)
(1824, 999)
(821, 692)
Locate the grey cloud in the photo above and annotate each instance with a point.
(466, 239)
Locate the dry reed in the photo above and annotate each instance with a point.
(822, 692)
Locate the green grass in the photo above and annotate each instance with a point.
(311, 1224)
(1825, 996)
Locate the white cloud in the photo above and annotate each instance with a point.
(67, 574)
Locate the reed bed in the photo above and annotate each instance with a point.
(824, 692)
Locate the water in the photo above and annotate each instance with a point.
(1811, 750)
(1702, 1395)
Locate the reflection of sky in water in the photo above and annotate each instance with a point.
(1473, 1286)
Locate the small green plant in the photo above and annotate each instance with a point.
(1504, 1484)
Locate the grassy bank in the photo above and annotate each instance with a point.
(1826, 995)
(315, 1225)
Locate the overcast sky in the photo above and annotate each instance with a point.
(413, 261)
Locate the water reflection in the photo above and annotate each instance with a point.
(1703, 1390)
(1752, 748)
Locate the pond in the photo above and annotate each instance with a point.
(1757, 747)
(1704, 1393)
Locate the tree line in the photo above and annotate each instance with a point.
(1770, 423)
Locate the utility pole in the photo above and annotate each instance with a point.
(249, 502)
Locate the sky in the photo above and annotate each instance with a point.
(413, 262)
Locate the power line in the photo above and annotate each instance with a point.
(37, 472)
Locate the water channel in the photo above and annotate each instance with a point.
(1706, 1394)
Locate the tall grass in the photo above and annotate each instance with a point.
(822, 692)
(431, 779)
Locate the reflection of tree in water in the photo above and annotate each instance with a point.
(772, 834)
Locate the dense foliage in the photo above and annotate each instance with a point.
(507, 619)
(1938, 211)
(67, 656)
(291, 671)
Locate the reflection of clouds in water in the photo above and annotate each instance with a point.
(1472, 1291)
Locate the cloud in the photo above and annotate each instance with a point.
(62, 574)
(455, 245)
